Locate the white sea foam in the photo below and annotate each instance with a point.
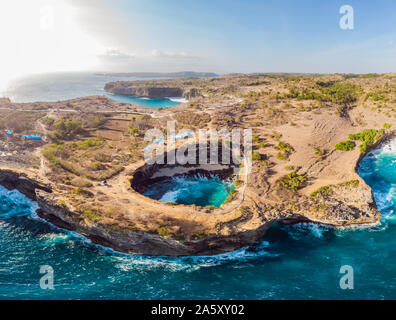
(191, 263)
(389, 147)
(299, 230)
(177, 99)
(13, 203)
(54, 238)
(358, 227)
(128, 262)
(385, 201)
(170, 196)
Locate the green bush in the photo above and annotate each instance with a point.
(133, 131)
(281, 156)
(89, 143)
(368, 137)
(164, 231)
(319, 152)
(325, 190)
(82, 192)
(283, 146)
(345, 146)
(91, 215)
(256, 156)
(335, 92)
(352, 183)
(67, 128)
(293, 181)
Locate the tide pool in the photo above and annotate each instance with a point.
(151, 103)
(291, 262)
(198, 190)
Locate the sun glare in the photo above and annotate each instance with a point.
(42, 36)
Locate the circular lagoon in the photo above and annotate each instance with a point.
(196, 189)
(204, 185)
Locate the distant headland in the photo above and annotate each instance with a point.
(182, 74)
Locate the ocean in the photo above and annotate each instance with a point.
(70, 85)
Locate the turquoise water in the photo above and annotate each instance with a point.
(151, 103)
(198, 190)
(291, 262)
(71, 85)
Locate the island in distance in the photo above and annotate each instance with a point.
(182, 74)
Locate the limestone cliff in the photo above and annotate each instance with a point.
(127, 88)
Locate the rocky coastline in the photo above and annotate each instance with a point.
(125, 241)
(144, 243)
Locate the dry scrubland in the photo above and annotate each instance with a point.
(309, 132)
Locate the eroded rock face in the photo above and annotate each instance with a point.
(13, 180)
(192, 93)
(143, 243)
(162, 170)
(344, 205)
(120, 240)
(125, 88)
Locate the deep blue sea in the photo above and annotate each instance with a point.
(291, 262)
(70, 85)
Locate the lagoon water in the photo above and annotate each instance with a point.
(64, 86)
(199, 190)
(291, 262)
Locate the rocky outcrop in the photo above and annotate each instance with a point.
(123, 240)
(19, 181)
(143, 243)
(127, 88)
(118, 239)
(192, 93)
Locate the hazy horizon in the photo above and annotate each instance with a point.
(208, 36)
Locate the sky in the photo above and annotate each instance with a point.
(221, 36)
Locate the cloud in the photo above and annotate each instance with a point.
(126, 52)
(115, 60)
(167, 54)
(116, 55)
(109, 25)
